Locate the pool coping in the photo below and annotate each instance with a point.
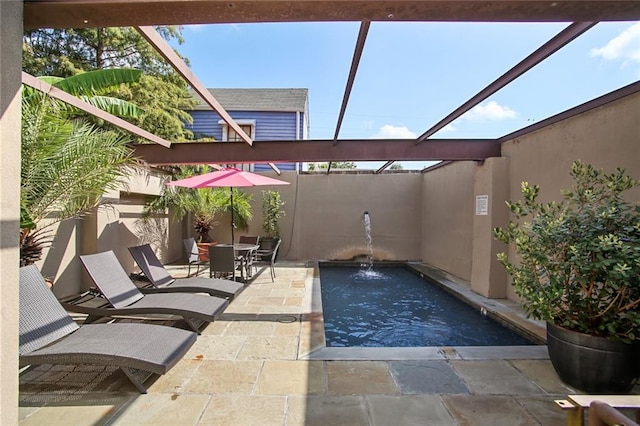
(503, 310)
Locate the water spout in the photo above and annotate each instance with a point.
(367, 231)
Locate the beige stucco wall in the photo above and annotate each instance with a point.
(324, 216)
(115, 226)
(447, 200)
(10, 113)
(607, 137)
(491, 189)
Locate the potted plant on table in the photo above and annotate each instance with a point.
(271, 213)
(579, 270)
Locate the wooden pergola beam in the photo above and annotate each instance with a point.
(178, 64)
(63, 96)
(120, 13)
(320, 150)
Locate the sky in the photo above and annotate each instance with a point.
(411, 75)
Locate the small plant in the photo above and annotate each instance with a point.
(579, 259)
(271, 213)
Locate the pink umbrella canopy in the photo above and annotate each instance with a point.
(229, 177)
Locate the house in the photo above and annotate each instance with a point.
(264, 114)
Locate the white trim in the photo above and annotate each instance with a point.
(240, 122)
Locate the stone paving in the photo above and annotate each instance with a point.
(264, 363)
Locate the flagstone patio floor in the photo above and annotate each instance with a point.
(263, 362)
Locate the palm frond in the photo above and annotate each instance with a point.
(96, 82)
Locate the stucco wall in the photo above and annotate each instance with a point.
(10, 115)
(607, 137)
(447, 217)
(115, 226)
(329, 216)
(324, 215)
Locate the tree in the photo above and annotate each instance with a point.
(349, 165)
(67, 52)
(67, 161)
(396, 166)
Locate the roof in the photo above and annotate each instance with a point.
(258, 99)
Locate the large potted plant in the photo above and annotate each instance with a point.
(271, 213)
(578, 269)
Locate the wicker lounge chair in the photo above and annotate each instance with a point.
(125, 298)
(161, 282)
(48, 335)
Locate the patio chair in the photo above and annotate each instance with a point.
(161, 282)
(270, 256)
(193, 255)
(223, 262)
(48, 335)
(251, 255)
(125, 299)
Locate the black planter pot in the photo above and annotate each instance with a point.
(268, 244)
(593, 364)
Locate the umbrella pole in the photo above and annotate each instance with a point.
(233, 225)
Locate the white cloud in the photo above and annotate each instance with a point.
(389, 131)
(625, 47)
(196, 28)
(490, 111)
(448, 128)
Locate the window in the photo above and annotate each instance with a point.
(230, 135)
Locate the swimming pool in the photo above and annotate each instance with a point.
(394, 307)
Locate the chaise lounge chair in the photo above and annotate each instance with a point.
(48, 335)
(161, 282)
(125, 298)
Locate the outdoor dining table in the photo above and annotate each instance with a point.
(245, 250)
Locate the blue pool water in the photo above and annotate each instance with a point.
(394, 307)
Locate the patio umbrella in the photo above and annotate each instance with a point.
(228, 177)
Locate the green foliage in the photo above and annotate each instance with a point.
(91, 87)
(579, 263)
(162, 92)
(66, 165)
(271, 213)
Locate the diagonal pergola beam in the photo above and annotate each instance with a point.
(556, 43)
(357, 54)
(178, 64)
(65, 97)
(355, 61)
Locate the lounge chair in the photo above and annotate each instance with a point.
(125, 299)
(193, 255)
(161, 282)
(268, 257)
(48, 335)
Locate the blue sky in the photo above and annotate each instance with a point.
(411, 75)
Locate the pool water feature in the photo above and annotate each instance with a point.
(395, 307)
